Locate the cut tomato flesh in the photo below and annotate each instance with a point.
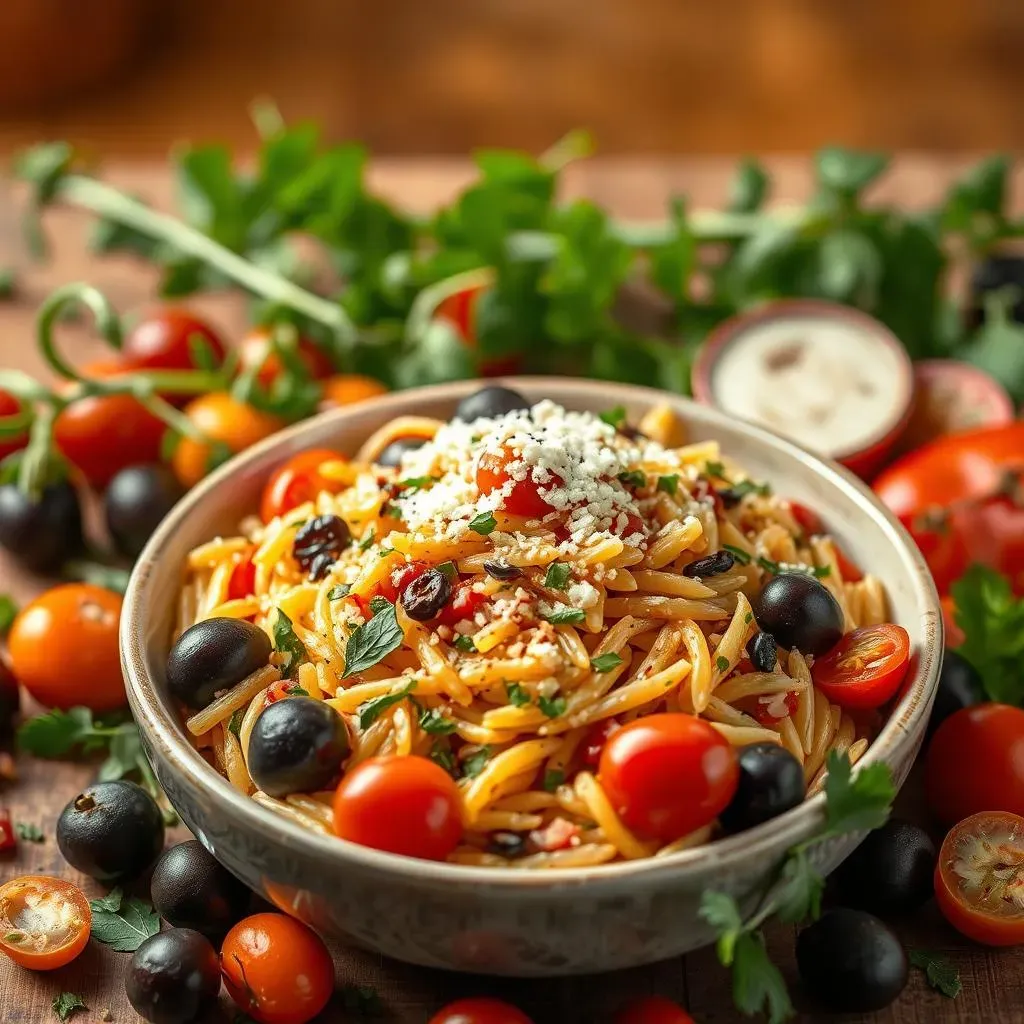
(44, 922)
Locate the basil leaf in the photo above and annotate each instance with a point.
(615, 417)
(552, 706)
(669, 484)
(474, 764)
(372, 642)
(557, 576)
(125, 928)
(338, 592)
(370, 710)
(379, 604)
(714, 468)
(564, 615)
(288, 643)
(605, 662)
(483, 524)
(435, 722)
(518, 696)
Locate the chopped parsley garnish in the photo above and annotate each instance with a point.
(941, 974)
(295, 691)
(748, 618)
(557, 576)
(742, 488)
(669, 484)
(372, 642)
(464, 643)
(235, 722)
(379, 604)
(714, 468)
(441, 754)
(448, 570)
(30, 833)
(338, 592)
(517, 694)
(370, 710)
(416, 483)
(435, 722)
(364, 544)
(474, 764)
(286, 641)
(565, 616)
(741, 556)
(615, 417)
(553, 778)
(722, 663)
(484, 523)
(552, 706)
(633, 478)
(605, 662)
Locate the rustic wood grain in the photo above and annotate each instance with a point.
(993, 981)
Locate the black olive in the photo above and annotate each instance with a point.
(190, 889)
(319, 543)
(763, 652)
(771, 782)
(851, 962)
(502, 571)
(712, 565)
(507, 844)
(135, 502)
(41, 534)
(490, 402)
(173, 977)
(10, 699)
(630, 433)
(959, 687)
(297, 746)
(111, 831)
(800, 613)
(214, 655)
(392, 454)
(426, 595)
(730, 497)
(891, 872)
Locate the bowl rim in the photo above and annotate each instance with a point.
(159, 721)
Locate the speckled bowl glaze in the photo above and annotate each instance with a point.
(478, 919)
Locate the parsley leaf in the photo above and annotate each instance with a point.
(553, 778)
(364, 544)
(65, 1004)
(757, 984)
(557, 576)
(372, 642)
(8, 613)
(449, 570)
(551, 706)
(235, 722)
(123, 924)
(379, 604)
(441, 754)
(615, 417)
(362, 1000)
(633, 478)
(941, 974)
(370, 710)
(722, 663)
(473, 765)
(741, 556)
(57, 732)
(800, 890)
(856, 803)
(435, 722)
(518, 696)
(338, 592)
(464, 643)
(288, 643)
(564, 615)
(606, 662)
(416, 483)
(714, 468)
(484, 523)
(30, 833)
(669, 484)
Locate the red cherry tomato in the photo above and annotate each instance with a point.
(976, 763)
(255, 346)
(596, 738)
(465, 603)
(667, 775)
(866, 667)
(406, 805)
(297, 482)
(398, 579)
(979, 879)
(8, 407)
(167, 340)
(276, 969)
(492, 474)
(653, 1010)
(243, 579)
(479, 1011)
(44, 922)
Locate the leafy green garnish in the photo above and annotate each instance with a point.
(65, 1004)
(633, 478)
(741, 556)
(367, 541)
(362, 1000)
(941, 974)
(123, 924)
(778, 568)
(614, 417)
(370, 710)
(339, 591)
(441, 754)
(286, 641)
(606, 662)
(518, 695)
(416, 483)
(553, 778)
(372, 642)
(483, 524)
(235, 722)
(30, 833)
(464, 643)
(557, 576)
(473, 765)
(742, 488)
(449, 570)
(379, 604)
(722, 663)
(552, 706)
(565, 616)
(714, 468)
(435, 722)
(669, 483)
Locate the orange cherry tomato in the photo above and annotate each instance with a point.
(63, 648)
(276, 969)
(297, 482)
(9, 405)
(976, 763)
(480, 1011)
(44, 922)
(346, 388)
(255, 347)
(653, 1010)
(166, 340)
(979, 879)
(493, 473)
(668, 775)
(224, 419)
(866, 667)
(406, 805)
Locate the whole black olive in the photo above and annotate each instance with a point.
(41, 534)
(507, 844)
(319, 543)
(771, 782)
(297, 746)
(135, 502)
(111, 831)
(10, 699)
(214, 655)
(392, 454)
(800, 613)
(851, 962)
(502, 571)
(190, 889)
(173, 977)
(959, 687)
(426, 595)
(763, 652)
(490, 402)
(712, 565)
(891, 872)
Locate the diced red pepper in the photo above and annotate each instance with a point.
(8, 840)
(243, 579)
(558, 835)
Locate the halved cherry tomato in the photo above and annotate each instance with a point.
(398, 579)
(976, 763)
(406, 805)
(224, 419)
(276, 969)
(667, 775)
(44, 922)
(8, 407)
(63, 648)
(255, 347)
(480, 1011)
(866, 667)
(297, 482)
(979, 879)
(492, 474)
(243, 579)
(167, 339)
(653, 1010)
(465, 603)
(343, 389)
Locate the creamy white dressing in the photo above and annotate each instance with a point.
(829, 385)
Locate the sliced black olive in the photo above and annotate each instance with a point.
(891, 872)
(489, 403)
(502, 571)
(392, 454)
(111, 831)
(214, 655)
(135, 502)
(173, 977)
(771, 782)
(41, 534)
(959, 687)
(800, 613)
(190, 889)
(425, 596)
(712, 565)
(10, 699)
(297, 746)
(507, 844)
(319, 543)
(851, 962)
(763, 652)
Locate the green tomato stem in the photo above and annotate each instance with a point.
(36, 456)
(108, 324)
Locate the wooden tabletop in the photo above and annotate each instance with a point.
(993, 983)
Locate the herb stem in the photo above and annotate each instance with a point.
(36, 457)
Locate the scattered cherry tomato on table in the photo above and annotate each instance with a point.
(44, 922)
(8, 407)
(297, 482)
(276, 969)
(653, 1010)
(63, 648)
(255, 349)
(347, 388)
(168, 339)
(480, 1011)
(866, 667)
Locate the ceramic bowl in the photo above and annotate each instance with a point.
(477, 919)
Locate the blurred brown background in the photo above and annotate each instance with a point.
(129, 77)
